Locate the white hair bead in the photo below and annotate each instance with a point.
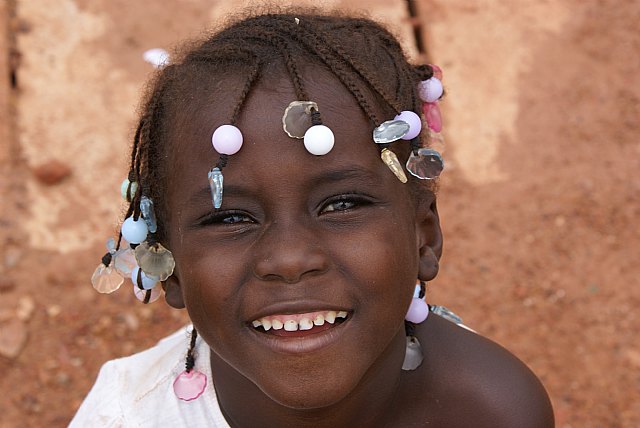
(319, 140)
(430, 90)
(134, 231)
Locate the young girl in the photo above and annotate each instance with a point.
(282, 191)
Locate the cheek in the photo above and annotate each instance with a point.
(208, 282)
(385, 260)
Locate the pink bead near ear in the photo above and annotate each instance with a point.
(189, 385)
(415, 124)
(437, 71)
(418, 311)
(432, 116)
(227, 140)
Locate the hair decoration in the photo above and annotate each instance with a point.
(128, 189)
(191, 383)
(227, 140)
(417, 313)
(144, 260)
(391, 160)
(105, 278)
(297, 118)
(423, 163)
(301, 119)
(426, 163)
(390, 131)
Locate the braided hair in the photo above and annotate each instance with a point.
(363, 55)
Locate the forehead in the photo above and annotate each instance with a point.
(267, 150)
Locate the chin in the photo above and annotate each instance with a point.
(312, 384)
(310, 396)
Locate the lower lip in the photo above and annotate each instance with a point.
(300, 342)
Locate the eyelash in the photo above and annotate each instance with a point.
(225, 217)
(354, 199)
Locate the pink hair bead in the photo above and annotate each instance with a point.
(227, 139)
(432, 116)
(437, 71)
(418, 311)
(415, 124)
(189, 385)
(430, 90)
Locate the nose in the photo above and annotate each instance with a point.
(288, 252)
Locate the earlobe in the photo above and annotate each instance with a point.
(173, 292)
(430, 240)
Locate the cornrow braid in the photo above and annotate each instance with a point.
(363, 72)
(319, 45)
(254, 72)
(290, 63)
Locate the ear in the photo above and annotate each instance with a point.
(173, 291)
(429, 239)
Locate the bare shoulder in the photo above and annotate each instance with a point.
(476, 382)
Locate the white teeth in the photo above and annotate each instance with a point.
(319, 320)
(290, 325)
(266, 324)
(305, 324)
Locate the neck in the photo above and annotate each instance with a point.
(369, 404)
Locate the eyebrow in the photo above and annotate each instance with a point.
(354, 173)
(204, 194)
(351, 173)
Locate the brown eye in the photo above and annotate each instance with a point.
(340, 205)
(235, 218)
(346, 202)
(225, 217)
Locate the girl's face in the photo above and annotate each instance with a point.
(297, 236)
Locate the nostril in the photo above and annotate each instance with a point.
(290, 266)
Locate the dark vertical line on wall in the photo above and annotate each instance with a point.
(12, 54)
(13, 205)
(416, 25)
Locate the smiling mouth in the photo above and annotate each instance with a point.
(299, 325)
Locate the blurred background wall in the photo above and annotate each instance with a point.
(538, 204)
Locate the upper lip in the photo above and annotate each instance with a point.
(297, 307)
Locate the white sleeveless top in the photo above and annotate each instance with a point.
(137, 391)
